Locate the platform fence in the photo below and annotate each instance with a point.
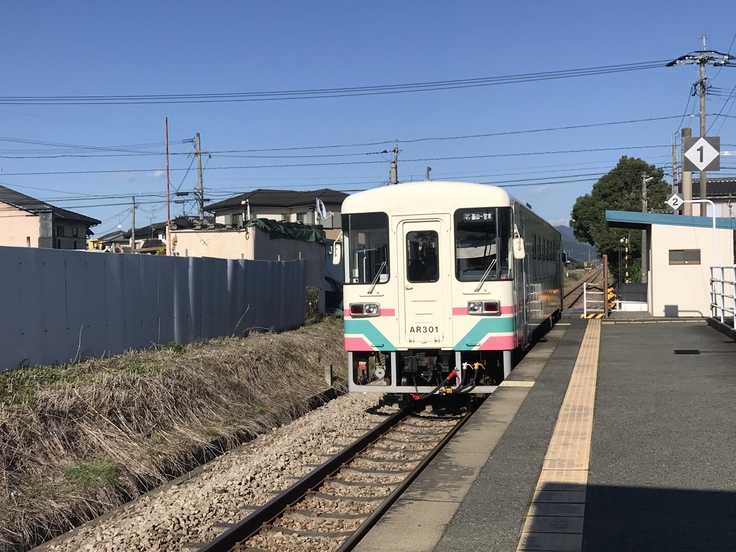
(594, 300)
(723, 293)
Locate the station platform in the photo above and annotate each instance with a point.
(611, 434)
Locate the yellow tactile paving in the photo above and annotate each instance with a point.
(555, 517)
(507, 383)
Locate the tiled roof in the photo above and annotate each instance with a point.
(35, 206)
(717, 188)
(280, 198)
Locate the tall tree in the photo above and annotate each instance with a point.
(619, 190)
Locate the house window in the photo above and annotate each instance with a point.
(75, 232)
(684, 256)
(59, 231)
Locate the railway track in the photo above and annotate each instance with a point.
(337, 503)
(573, 297)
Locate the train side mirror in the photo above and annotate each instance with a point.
(337, 250)
(518, 246)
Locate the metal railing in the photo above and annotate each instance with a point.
(594, 299)
(723, 293)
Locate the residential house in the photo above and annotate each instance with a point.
(282, 205)
(29, 222)
(722, 192)
(271, 225)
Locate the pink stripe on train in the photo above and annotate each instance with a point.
(383, 312)
(357, 344)
(461, 311)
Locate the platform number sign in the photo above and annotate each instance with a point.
(675, 202)
(701, 154)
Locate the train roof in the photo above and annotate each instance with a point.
(425, 196)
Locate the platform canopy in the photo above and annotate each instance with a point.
(642, 221)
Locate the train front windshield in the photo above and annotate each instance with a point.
(366, 237)
(482, 237)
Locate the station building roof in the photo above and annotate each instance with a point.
(634, 219)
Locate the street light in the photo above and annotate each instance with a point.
(644, 247)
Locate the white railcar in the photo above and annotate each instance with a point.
(444, 283)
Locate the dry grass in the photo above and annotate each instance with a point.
(77, 440)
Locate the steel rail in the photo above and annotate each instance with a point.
(253, 523)
(352, 541)
(577, 291)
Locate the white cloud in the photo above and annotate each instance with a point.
(560, 222)
(123, 177)
(156, 174)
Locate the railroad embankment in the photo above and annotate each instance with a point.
(76, 441)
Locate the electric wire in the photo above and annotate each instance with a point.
(322, 93)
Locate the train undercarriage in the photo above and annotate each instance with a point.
(421, 373)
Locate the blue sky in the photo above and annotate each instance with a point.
(548, 140)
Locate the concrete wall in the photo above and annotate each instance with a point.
(684, 290)
(61, 306)
(217, 244)
(18, 228)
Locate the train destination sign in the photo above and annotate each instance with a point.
(487, 215)
(701, 154)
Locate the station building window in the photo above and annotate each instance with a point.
(684, 256)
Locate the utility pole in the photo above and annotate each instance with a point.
(132, 233)
(198, 152)
(675, 169)
(168, 194)
(393, 173)
(703, 58)
(687, 179)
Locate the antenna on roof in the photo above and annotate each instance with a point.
(429, 169)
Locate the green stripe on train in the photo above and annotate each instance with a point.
(485, 326)
(370, 332)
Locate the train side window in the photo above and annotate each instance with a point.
(366, 248)
(422, 260)
(482, 237)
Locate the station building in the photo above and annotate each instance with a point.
(681, 251)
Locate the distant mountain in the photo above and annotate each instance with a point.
(576, 250)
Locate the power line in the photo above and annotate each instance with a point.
(343, 163)
(226, 153)
(322, 93)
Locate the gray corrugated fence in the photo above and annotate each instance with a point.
(60, 306)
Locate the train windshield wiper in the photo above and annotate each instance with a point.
(485, 274)
(378, 275)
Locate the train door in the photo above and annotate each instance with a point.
(425, 269)
(522, 280)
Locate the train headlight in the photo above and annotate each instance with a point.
(362, 310)
(484, 308)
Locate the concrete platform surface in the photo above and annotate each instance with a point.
(661, 452)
